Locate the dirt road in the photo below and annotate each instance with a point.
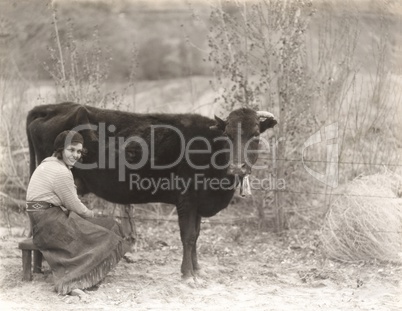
(243, 270)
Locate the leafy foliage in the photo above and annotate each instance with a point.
(261, 59)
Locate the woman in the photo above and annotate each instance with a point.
(79, 249)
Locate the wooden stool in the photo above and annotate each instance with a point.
(27, 246)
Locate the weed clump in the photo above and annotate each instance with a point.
(365, 222)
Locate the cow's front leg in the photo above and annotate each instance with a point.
(188, 233)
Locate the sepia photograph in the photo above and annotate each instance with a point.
(193, 155)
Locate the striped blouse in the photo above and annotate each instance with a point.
(53, 182)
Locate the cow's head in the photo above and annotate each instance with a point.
(243, 128)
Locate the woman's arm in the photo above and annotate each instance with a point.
(65, 189)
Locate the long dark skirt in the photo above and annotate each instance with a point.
(80, 251)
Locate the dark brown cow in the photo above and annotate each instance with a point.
(187, 160)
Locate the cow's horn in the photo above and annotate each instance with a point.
(265, 114)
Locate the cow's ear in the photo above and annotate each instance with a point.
(267, 123)
(220, 124)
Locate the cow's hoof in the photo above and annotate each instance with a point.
(189, 281)
(194, 282)
(200, 273)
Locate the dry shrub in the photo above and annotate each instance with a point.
(365, 222)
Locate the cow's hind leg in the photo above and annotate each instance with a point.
(189, 235)
(194, 257)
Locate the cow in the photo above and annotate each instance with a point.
(188, 160)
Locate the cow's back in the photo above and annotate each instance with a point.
(45, 122)
(162, 132)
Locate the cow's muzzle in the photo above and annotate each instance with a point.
(240, 169)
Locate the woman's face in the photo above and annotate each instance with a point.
(72, 153)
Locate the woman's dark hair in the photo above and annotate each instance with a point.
(59, 153)
(67, 138)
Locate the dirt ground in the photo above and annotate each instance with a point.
(243, 269)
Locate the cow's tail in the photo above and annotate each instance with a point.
(32, 153)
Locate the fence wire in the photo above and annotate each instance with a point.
(26, 150)
(238, 220)
(335, 194)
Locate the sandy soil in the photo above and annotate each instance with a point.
(244, 269)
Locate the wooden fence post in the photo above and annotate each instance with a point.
(278, 212)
